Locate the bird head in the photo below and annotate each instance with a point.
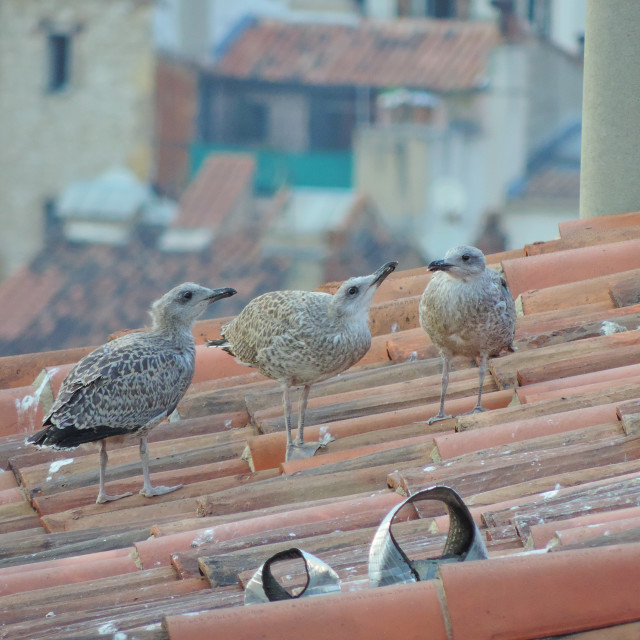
(180, 307)
(461, 262)
(355, 294)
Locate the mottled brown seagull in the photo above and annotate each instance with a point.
(127, 386)
(302, 337)
(467, 310)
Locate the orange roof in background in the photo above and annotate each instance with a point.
(550, 473)
(436, 55)
(215, 191)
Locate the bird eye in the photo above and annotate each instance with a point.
(352, 291)
(187, 295)
(466, 257)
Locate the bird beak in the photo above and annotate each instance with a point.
(218, 294)
(383, 272)
(439, 265)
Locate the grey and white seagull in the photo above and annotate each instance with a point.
(127, 386)
(303, 337)
(467, 310)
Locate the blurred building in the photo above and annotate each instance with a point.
(439, 111)
(76, 98)
(118, 247)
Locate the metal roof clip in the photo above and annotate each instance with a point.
(388, 563)
(263, 586)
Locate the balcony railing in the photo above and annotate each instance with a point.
(274, 169)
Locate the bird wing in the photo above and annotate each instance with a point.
(124, 383)
(278, 330)
(503, 295)
(264, 320)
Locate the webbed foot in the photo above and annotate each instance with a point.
(150, 492)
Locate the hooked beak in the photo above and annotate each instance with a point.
(218, 294)
(383, 272)
(439, 265)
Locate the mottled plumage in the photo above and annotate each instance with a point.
(127, 386)
(467, 310)
(302, 337)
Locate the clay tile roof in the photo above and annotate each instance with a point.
(552, 183)
(216, 190)
(437, 55)
(550, 473)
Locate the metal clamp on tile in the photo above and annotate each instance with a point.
(388, 564)
(263, 587)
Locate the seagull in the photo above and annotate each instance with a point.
(127, 386)
(303, 337)
(467, 310)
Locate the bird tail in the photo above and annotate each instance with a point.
(39, 439)
(71, 436)
(222, 344)
(51, 437)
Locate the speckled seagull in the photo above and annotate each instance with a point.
(302, 337)
(127, 386)
(467, 310)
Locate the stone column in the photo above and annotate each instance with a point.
(610, 164)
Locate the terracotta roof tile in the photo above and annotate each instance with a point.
(560, 440)
(216, 191)
(437, 55)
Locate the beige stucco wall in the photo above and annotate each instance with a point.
(102, 119)
(391, 165)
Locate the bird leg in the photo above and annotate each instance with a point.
(286, 405)
(147, 490)
(302, 409)
(301, 449)
(103, 496)
(445, 383)
(481, 373)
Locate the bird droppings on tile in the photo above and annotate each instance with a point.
(107, 628)
(206, 537)
(26, 407)
(56, 465)
(609, 328)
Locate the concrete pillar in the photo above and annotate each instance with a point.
(610, 165)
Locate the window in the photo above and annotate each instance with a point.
(441, 8)
(428, 8)
(251, 121)
(59, 52)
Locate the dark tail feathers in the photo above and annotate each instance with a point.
(70, 437)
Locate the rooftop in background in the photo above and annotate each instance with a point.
(219, 185)
(103, 266)
(436, 55)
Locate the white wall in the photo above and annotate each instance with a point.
(567, 23)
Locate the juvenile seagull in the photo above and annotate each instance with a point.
(302, 337)
(129, 385)
(467, 310)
